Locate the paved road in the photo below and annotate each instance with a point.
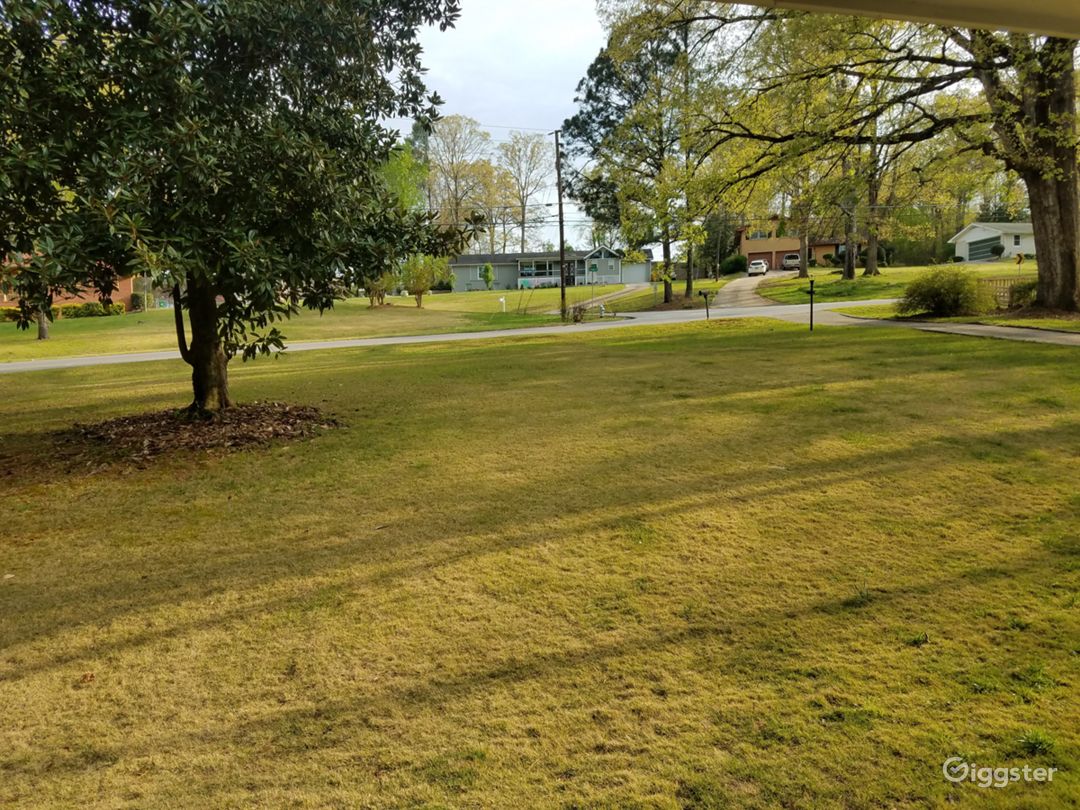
(796, 312)
(824, 314)
(742, 292)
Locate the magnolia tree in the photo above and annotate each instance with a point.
(231, 149)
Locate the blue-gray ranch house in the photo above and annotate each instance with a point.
(515, 271)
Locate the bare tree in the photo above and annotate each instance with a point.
(529, 161)
(455, 150)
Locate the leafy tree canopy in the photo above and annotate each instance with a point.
(231, 149)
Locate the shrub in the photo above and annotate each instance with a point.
(812, 262)
(137, 302)
(997, 250)
(577, 314)
(1022, 294)
(957, 258)
(89, 309)
(488, 274)
(946, 291)
(734, 264)
(117, 308)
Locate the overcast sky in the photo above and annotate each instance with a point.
(514, 64)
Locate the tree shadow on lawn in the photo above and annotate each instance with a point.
(341, 723)
(190, 574)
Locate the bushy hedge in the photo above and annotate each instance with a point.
(944, 292)
(1022, 294)
(734, 264)
(137, 302)
(12, 313)
(91, 309)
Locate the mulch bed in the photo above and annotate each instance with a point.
(134, 441)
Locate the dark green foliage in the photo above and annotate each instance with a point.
(1022, 294)
(883, 256)
(91, 309)
(997, 250)
(138, 302)
(957, 259)
(944, 292)
(719, 241)
(735, 263)
(237, 160)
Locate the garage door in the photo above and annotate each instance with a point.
(982, 249)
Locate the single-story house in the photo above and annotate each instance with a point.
(124, 288)
(763, 243)
(975, 243)
(514, 271)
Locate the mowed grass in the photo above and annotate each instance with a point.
(1055, 322)
(726, 564)
(828, 286)
(441, 313)
(653, 297)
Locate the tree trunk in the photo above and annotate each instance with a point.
(666, 245)
(419, 300)
(206, 356)
(1037, 139)
(804, 253)
(689, 294)
(849, 247)
(522, 228)
(872, 254)
(42, 325)
(1055, 217)
(872, 227)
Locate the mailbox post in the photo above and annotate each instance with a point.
(705, 294)
(811, 305)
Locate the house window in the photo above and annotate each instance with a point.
(758, 235)
(479, 273)
(611, 265)
(1016, 240)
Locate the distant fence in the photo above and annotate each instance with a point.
(1002, 288)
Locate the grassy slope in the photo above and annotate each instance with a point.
(890, 284)
(153, 331)
(642, 300)
(678, 567)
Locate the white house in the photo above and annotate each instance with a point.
(975, 243)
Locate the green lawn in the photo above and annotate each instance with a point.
(1056, 323)
(653, 297)
(726, 564)
(450, 312)
(828, 286)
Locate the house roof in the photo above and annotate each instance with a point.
(1003, 228)
(549, 255)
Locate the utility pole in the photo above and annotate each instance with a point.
(562, 239)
